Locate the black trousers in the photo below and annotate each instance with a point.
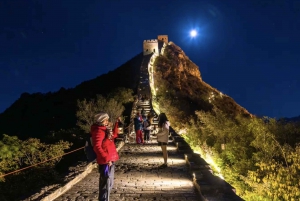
(106, 181)
(146, 135)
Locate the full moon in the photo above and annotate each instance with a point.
(193, 33)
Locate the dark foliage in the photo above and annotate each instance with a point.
(27, 182)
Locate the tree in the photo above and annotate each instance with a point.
(16, 154)
(122, 95)
(88, 109)
(274, 179)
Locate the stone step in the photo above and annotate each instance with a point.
(145, 109)
(143, 106)
(143, 103)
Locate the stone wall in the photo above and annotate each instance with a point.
(163, 48)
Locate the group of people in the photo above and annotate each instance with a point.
(142, 125)
(103, 135)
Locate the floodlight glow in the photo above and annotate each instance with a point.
(193, 33)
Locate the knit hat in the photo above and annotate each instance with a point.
(100, 117)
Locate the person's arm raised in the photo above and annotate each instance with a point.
(116, 128)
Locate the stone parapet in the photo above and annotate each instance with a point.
(209, 186)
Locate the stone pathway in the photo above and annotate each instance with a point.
(138, 177)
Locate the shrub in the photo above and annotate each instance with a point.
(16, 154)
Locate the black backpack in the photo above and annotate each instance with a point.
(89, 150)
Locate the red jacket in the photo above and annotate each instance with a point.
(105, 149)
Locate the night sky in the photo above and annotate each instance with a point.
(249, 50)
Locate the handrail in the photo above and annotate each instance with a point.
(39, 163)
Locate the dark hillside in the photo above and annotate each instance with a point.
(34, 115)
(293, 119)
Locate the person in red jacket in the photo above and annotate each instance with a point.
(105, 149)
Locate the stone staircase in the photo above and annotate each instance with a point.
(139, 177)
(143, 105)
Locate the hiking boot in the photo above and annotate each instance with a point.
(163, 166)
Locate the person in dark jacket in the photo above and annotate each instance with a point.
(105, 149)
(147, 128)
(138, 126)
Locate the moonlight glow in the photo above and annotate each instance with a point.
(193, 33)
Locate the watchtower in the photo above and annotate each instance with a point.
(162, 38)
(150, 46)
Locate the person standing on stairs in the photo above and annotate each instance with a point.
(138, 126)
(105, 149)
(163, 136)
(147, 128)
